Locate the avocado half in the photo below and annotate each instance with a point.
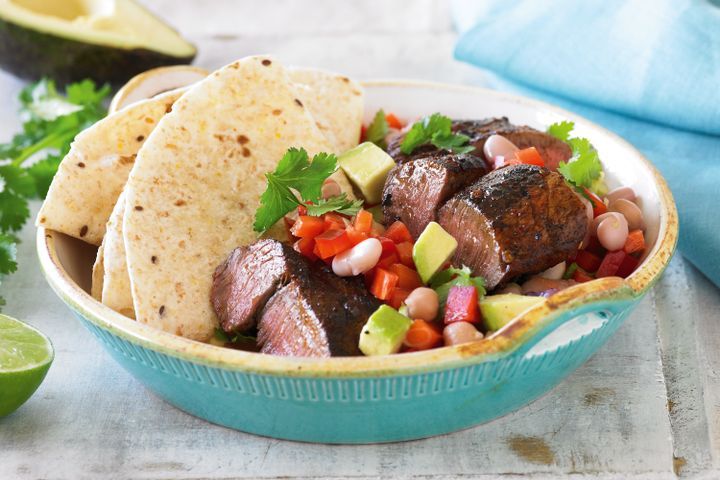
(106, 40)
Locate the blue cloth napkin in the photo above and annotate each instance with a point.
(648, 70)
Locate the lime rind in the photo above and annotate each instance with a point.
(22, 347)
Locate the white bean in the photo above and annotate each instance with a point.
(632, 213)
(423, 304)
(497, 149)
(460, 332)
(621, 192)
(538, 284)
(330, 189)
(613, 232)
(359, 259)
(602, 217)
(554, 273)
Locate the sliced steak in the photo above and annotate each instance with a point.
(414, 191)
(247, 278)
(300, 308)
(316, 315)
(552, 150)
(516, 220)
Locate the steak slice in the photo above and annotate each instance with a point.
(516, 220)
(552, 150)
(300, 308)
(414, 191)
(247, 278)
(316, 315)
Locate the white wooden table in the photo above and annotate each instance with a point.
(646, 406)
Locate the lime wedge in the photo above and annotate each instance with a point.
(25, 357)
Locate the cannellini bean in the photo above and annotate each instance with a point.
(330, 189)
(554, 273)
(423, 304)
(460, 332)
(632, 213)
(511, 288)
(499, 146)
(537, 284)
(612, 232)
(359, 259)
(621, 192)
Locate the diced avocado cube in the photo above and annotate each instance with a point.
(367, 166)
(384, 332)
(432, 249)
(498, 310)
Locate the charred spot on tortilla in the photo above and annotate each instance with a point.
(139, 208)
(153, 259)
(298, 102)
(180, 203)
(81, 164)
(43, 219)
(83, 230)
(126, 159)
(242, 139)
(246, 152)
(140, 138)
(149, 120)
(345, 79)
(266, 62)
(277, 111)
(168, 107)
(161, 311)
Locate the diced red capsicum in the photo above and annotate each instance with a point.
(383, 283)
(355, 236)
(635, 242)
(407, 277)
(610, 264)
(363, 221)
(404, 251)
(462, 305)
(581, 276)
(334, 221)
(530, 156)
(308, 227)
(331, 242)
(305, 246)
(393, 121)
(598, 205)
(397, 297)
(398, 232)
(628, 266)
(422, 335)
(588, 261)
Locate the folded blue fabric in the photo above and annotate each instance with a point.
(648, 70)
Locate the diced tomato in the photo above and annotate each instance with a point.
(331, 242)
(363, 134)
(635, 242)
(611, 263)
(302, 210)
(355, 236)
(598, 205)
(462, 305)
(404, 250)
(363, 221)
(383, 283)
(628, 266)
(397, 297)
(398, 232)
(393, 121)
(334, 221)
(407, 277)
(581, 276)
(588, 261)
(595, 247)
(387, 260)
(305, 246)
(530, 156)
(368, 277)
(422, 335)
(388, 246)
(308, 227)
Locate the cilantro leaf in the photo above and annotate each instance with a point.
(293, 173)
(340, 204)
(444, 280)
(222, 336)
(584, 166)
(378, 130)
(42, 173)
(8, 250)
(436, 130)
(561, 130)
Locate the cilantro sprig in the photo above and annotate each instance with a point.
(584, 167)
(444, 280)
(28, 162)
(296, 173)
(378, 130)
(435, 130)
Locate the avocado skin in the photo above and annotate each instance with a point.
(31, 55)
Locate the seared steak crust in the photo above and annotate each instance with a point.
(414, 191)
(517, 220)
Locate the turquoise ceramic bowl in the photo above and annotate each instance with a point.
(380, 399)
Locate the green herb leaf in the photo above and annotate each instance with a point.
(339, 204)
(444, 280)
(584, 166)
(221, 336)
(436, 130)
(378, 130)
(8, 250)
(293, 173)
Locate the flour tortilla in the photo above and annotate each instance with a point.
(98, 272)
(116, 292)
(196, 184)
(93, 173)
